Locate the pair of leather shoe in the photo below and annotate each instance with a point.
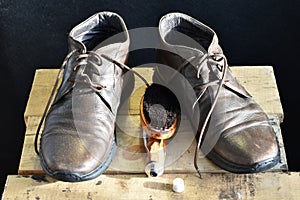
(78, 139)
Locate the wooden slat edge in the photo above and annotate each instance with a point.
(212, 186)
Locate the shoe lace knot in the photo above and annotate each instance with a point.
(83, 60)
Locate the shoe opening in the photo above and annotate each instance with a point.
(101, 29)
(180, 29)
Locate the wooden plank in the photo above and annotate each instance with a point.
(42, 86)
(212, 186)
(130, 156)
(258, 80)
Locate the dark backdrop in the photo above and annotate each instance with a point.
(33, 34)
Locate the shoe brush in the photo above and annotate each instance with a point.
(160, 117)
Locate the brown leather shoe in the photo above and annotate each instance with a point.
(78, 140)
(236, 132)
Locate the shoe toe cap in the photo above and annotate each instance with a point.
(71, 158)
(254, 147)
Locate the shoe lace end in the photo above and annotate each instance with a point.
(199, 172)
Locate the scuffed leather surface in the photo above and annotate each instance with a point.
(79, 129)
(239, 130)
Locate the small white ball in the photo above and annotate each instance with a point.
(178, 185)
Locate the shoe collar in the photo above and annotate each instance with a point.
(97, 25)
(169, 21)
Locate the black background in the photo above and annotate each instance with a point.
(33, 34)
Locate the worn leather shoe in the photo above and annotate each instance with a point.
(233, 130)
(78, 139)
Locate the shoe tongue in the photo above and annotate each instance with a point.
(206, 75)
(75, 44)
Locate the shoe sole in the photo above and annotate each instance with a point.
(242, 169)
(76, 177)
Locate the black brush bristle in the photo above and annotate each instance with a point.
(161, 106)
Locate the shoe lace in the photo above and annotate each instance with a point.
(82, 59)
(214, 59)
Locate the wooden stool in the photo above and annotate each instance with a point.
(126, 179)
